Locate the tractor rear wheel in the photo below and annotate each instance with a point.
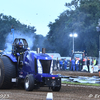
(7, 72)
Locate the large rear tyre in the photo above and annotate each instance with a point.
(7, 72)
(29, 82)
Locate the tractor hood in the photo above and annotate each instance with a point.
(42, 56)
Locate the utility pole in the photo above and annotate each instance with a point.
(73, 35)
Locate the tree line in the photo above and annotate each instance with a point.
(81, 17)
(8, 22)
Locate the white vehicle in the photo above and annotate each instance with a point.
(54, 55)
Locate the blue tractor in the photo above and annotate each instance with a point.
(28, 68)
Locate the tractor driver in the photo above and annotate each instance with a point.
(20, 50)
(20, 47)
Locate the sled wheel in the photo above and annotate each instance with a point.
(7, 72)
(29, 82)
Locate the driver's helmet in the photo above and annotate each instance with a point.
(20, 44)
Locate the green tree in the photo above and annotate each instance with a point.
(7, 22)
(82, 18)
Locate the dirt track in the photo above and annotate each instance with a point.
(75, 73)
(67, 92)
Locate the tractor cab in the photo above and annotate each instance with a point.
(17, 43)
(19, 46)
(80, 56)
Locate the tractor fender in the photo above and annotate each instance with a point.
(11, 56)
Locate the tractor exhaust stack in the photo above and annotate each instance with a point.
(38, 50)
(43, 50)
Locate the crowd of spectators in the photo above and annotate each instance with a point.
(74, 64)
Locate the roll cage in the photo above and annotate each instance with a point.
(15, 44)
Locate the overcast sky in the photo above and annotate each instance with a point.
(36, 13)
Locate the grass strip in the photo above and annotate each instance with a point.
(87, 84)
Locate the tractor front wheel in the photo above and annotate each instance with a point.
(56, 88)
(29, 82)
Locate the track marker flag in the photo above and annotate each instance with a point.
(49, 96)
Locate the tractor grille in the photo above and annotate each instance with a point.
(46, 65)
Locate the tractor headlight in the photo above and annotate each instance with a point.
(51, 67)
(39, 67)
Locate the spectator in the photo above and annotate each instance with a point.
(94, 62)
(77, 64)
(65, 64)
(72, 64)
(88, 64)
(80, 65)
(61, 64)
(57, 63)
